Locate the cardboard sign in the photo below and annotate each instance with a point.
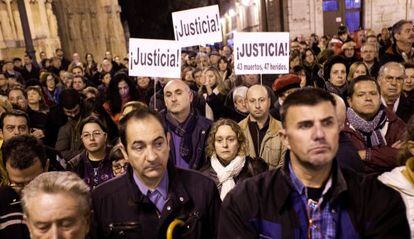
(198, 26)
(261, 53)
(154, 58)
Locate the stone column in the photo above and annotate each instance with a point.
(51, 19)
(17, 22)
(10, 19)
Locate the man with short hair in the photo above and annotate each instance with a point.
(402, 49)
(408, 85)
(79, 83)
(391, 79)
(30, 69)
(61, 55)
(24, 159)
(17, 97)
(369, 57)
(153, 194)
(311, 196)
(261, 129)
(57, 205)
(374, 130)
(188, 129)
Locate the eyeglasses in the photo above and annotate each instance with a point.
(390, 79)
(119, 168)
(94, 134)
(20, 128)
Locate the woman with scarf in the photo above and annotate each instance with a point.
(402, 178)
(226, 149)
(335, 76)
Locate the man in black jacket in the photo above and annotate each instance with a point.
(310, 196)
(152, 196)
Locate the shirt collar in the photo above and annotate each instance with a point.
(162, 187)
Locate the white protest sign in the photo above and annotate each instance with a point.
(261, 52)
(154, 58)
(198, 26)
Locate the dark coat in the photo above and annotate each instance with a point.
(82, 167)
(405, 108)
(198, 140)
(11, 215)
(380, 158)
(268, 206)
(391, 54)
(347, 155)
(121, 209)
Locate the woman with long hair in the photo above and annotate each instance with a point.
(214, 91)
(226, 150)
(120, 91)
(357, 69)
(51, 88)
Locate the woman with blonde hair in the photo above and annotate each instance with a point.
(214, 91)
(228, 164)
(357, 69)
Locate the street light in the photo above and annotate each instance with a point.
(26, 29)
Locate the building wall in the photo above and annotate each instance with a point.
(43, 28)
(74, 25)
(305, 17)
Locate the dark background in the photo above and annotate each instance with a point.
(152, 18)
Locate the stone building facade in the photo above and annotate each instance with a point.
(73, 25)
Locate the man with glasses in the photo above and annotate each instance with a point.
(374, 129)
(369, 57)
(391, 80)
(92, 164)
(24, 158)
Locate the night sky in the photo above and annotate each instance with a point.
(152, 18)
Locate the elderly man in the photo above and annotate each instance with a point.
(391, 80)
(374, 130)
(188, 129)
(24, 159)
(153, 193)
(57, 205)
(402, 49)
(310, 196)
(261, 129)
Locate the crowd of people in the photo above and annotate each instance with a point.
(325, 151)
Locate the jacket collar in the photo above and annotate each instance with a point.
(339, 185)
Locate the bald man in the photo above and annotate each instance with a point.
(188, 129)
(347, 155)
(261, 129)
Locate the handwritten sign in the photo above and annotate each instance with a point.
(154, 58)
(261, 52)
(198, 26)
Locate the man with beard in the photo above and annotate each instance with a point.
(68, 139)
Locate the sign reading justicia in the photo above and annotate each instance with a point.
(154, 58)
(261, 52)
(198, 26)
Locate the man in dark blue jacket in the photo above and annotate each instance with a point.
(153, 195)
(310, 196)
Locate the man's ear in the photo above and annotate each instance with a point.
(283, 136)
(1, 134)
(168, 136)
(191, 96)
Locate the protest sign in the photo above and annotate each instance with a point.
(261, 53)
(198, 26)
(154, 58)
